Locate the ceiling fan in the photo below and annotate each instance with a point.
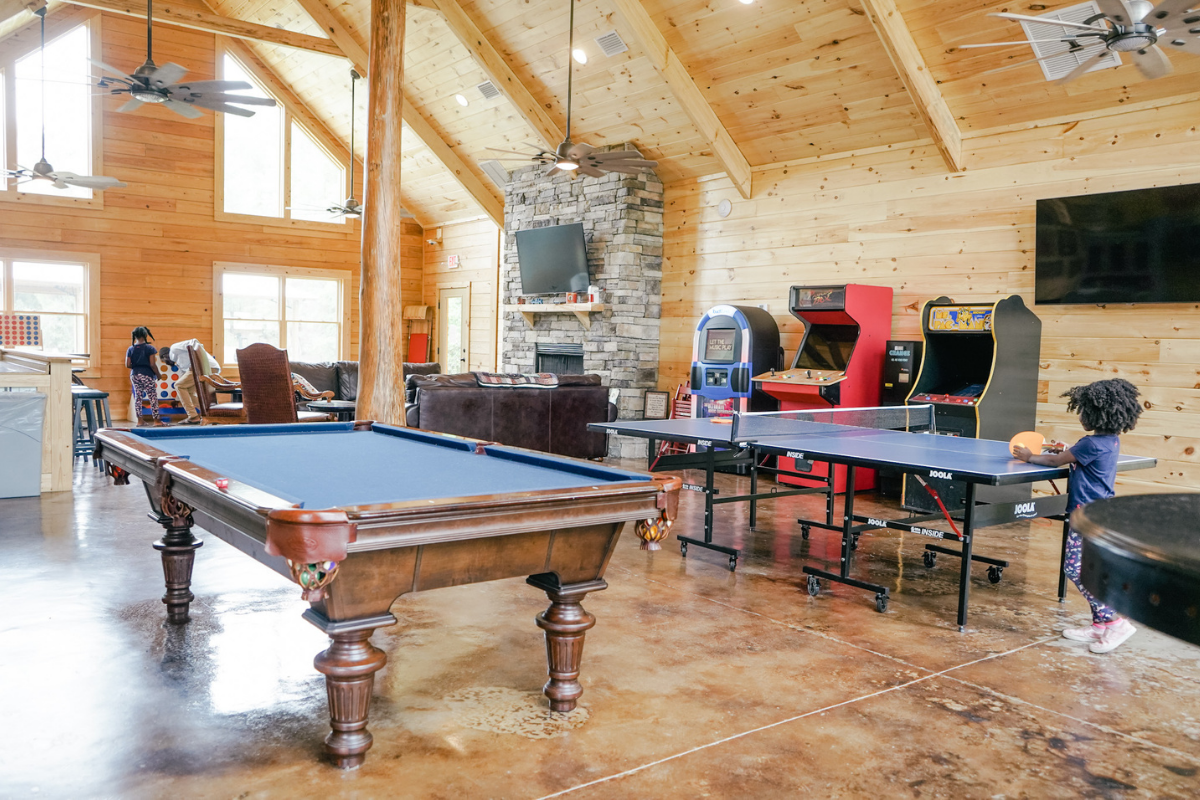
(42, 170)
(578, 156)
(150, 83)
(1135, 27)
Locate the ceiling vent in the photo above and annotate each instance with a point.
(494, 170)
(611, 44)
(488, 90)
(1062, 58)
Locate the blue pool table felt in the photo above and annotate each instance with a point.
(331, 465)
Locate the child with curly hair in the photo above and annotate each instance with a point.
(141, 360)
(1106, 409)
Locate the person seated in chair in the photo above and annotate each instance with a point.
(185, 384)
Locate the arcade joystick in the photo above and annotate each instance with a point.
(808, 373)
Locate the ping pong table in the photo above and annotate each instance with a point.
(899, 437)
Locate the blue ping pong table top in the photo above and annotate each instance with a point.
(951, 457)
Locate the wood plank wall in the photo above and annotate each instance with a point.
(158, 238)
(477, 245)
(897, 218)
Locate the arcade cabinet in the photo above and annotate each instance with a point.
(732, 343)
(839, 361)
(980, 373)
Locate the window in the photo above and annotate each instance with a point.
(59, 288)
(301, 310)
(70, 108)
(272, 166)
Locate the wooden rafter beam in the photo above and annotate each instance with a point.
(214, 23)
(416, 123)
(10, 8)
(922, 88)
(667, 62)
(496, 68)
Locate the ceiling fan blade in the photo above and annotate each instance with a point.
(167, 75)
(1087, 64)
(240, 99)
(580, 149)
(218, 106)
(132, 105)
(100, 182)
(554, 170)
(1169, 14)
(1181, 40)
(1152, 62)
(210, 86)
(110, 70)
(1044, 21)
(514, 152)
(1116, 11)
(183, 109)
(1008, 44)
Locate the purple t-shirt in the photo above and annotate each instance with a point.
(139, 359)
(1094, 470)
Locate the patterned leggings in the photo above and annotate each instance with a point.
(144, 388)
(1100, 613)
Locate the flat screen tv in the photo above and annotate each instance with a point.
(553, 259)
(1141, 246)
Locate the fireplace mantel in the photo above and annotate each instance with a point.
(581, 310)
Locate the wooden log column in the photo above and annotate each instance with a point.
(381, 329)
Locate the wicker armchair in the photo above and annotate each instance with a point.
(208, 384)
(267, 387)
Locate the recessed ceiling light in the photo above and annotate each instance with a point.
(579, 56)
(462, 101)
(747, 2)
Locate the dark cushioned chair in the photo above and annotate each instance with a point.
(551, 420)
(341, 377)
(267, 389)
(208, 383)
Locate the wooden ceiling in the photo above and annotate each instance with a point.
(706, 85)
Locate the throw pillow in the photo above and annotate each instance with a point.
(529, 380)
(302, 382)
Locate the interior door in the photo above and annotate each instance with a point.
(454, 307)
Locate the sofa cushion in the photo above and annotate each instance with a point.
(347, 380)
(322, 375)
(413, 369)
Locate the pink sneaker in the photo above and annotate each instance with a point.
(1114, 635)
(1091, 633)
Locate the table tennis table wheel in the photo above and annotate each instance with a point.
(930, 559)
(732, 563)
(804, 529)
(814, 585)
(854, 542)
(995, 573)
(881, 601)
(683, 549)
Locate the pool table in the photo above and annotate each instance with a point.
(359, 513)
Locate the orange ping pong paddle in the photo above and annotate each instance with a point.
(1030, 439)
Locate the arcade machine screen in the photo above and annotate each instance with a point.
(828, 347)
(719, 345)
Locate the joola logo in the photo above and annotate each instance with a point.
(929, 532)
(704, 442)
(1026, 510)
(878, 523)
(691, 487)
(937, 473)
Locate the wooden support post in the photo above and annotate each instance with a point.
(381, 328)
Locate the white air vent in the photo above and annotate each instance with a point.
(611, 43)
(488, 90)
(496, 171)
(1064, 58)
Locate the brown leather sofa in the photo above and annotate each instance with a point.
(551, 420)
(341, 377)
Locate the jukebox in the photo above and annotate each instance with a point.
(733, 343)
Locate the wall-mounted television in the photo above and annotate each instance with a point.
(553, 259)
(1141, 246)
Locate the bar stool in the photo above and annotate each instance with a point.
(92, 404)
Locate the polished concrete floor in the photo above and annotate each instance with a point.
(698, 682)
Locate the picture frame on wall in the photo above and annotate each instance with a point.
(657, 405)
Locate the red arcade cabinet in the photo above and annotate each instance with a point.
(840, 360)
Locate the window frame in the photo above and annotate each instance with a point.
(16, 48)
(292, 113)
(344, 278)
(91, 288)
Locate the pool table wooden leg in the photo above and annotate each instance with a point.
(178, 548)
(349, 667)
(565, 623)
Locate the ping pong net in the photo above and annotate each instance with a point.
(758, 425)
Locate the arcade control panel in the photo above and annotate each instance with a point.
(802, 377)
(966, 396)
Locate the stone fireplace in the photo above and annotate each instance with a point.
(561, 359)
(622, 220)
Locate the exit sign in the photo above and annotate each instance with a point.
(452, 262)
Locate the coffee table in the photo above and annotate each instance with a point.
(342, 410)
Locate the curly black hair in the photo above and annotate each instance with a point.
(1105, 406)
